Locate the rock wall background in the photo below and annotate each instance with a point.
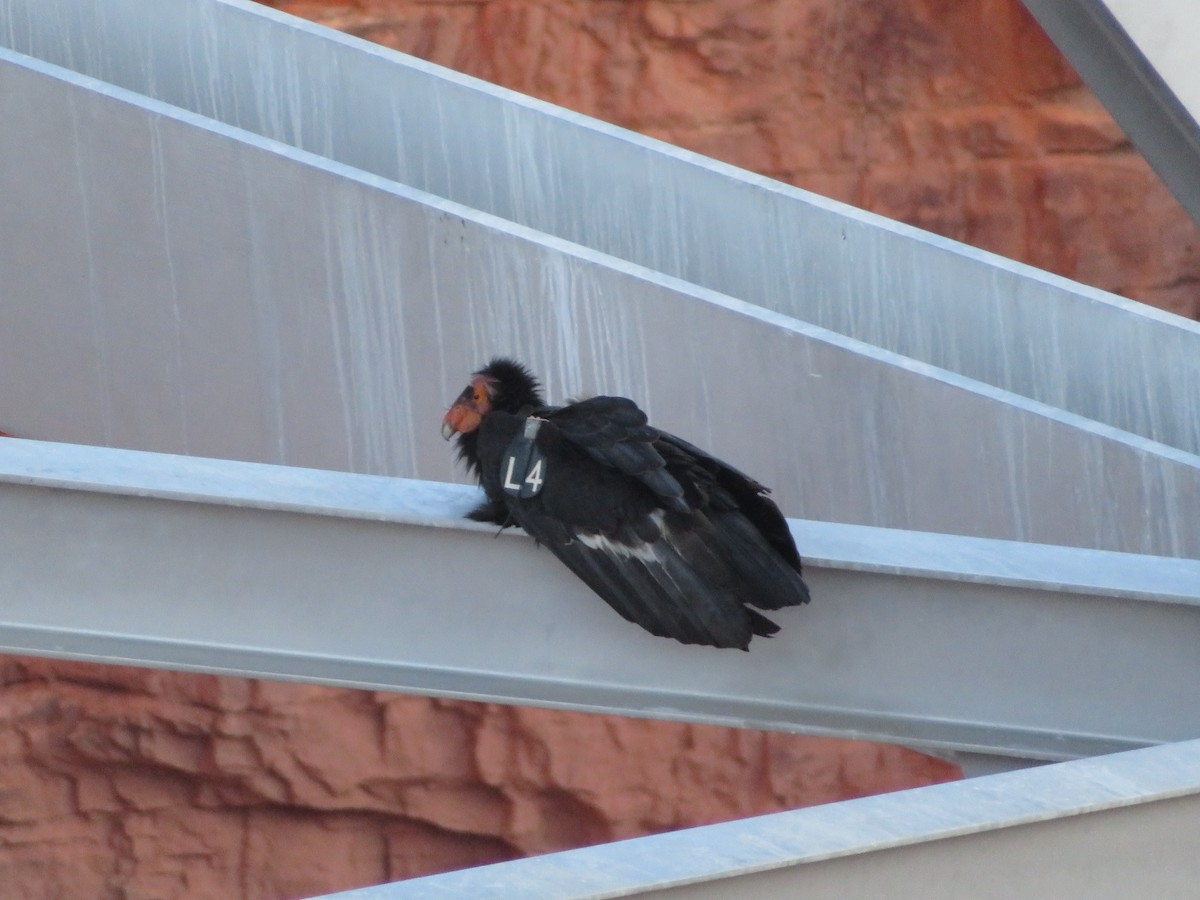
(955, 115)
(132, 784)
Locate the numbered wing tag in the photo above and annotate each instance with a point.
(523, 466)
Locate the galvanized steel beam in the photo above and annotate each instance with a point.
(945, 643)
(175, 284)
(1119, 826)
(895, 287)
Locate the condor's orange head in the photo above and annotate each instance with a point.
(503, 385)
(472, 405)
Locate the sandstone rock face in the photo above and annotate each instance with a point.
(959, 117)
(130, 784)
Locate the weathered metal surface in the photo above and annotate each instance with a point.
(963, 644)
(873, 280)
(174, 284)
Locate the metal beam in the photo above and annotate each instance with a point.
(1114, 827)
(939, 642)
(1139, 59)
(175, 284)
(862, 276)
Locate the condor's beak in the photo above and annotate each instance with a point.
(461, 418)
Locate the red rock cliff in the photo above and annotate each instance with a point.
(128, 783)
(959, 117)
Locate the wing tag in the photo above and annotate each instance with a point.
(523, 466)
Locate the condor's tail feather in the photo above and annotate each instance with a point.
(768, 582)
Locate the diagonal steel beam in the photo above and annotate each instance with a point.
(946, 643)
(175, 284)
(856, 274)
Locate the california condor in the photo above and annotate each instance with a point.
(672, 538)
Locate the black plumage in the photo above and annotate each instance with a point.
(672, 538)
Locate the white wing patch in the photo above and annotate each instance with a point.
(643, 551)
